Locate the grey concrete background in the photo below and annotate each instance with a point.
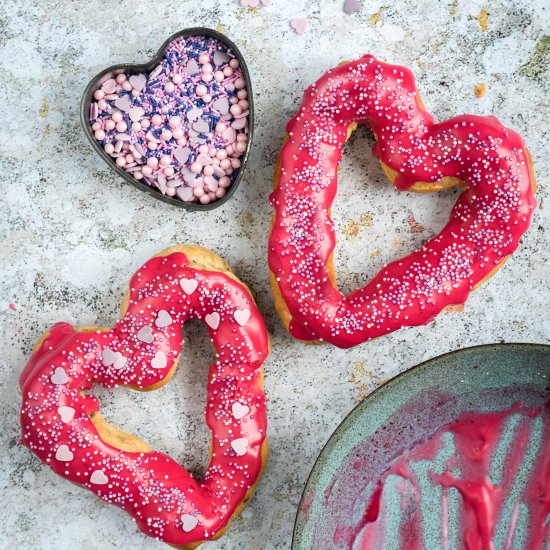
(72, 233)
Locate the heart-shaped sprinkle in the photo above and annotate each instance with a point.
(163, 319)
(145, 334)
(59, 376)
(110, 357)
(201, 126)
(188, 522)
(138, 82)
(220, 58)
(352, 6)
(239, 445)
(212, 320)
(229, 134)
(185, 193)
(181, 154)
(120, 361)
(66, 413)
(239, 123)
(221, 105)
(194, 114)
(136, 113)
(159, 360)
(109, 86)
(188, 176)
(191, 67)
(211, 183)
(189, 285)
(98, 478)
(299, 24)
(63, 454)
(123, 103)
(239, 411)
(242, 316)
(107, 357)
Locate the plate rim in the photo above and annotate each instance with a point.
(523, 346)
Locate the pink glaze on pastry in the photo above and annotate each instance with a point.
(140, 351)
(485, 225)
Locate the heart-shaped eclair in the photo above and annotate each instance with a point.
(478, 154)
(62, 425)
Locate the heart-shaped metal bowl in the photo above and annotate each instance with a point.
(127, 68)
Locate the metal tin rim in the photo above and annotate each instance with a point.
(147, 67)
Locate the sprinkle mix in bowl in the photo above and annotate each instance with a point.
(180, 128)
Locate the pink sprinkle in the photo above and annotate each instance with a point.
(12, 307)
(299, 25)
(352, 6)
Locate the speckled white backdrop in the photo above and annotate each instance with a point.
(72, 233)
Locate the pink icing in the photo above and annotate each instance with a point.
(484, 499)
(162, 497)
(485, 225)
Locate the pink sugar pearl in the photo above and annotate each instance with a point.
(169, 87)
(208, 170)
(198, 192)
(165, 161)
(177, 133)
(196, 167)
(239, 83)
(228, 71)
(136, 127)
(204, 58)
(205, 199)
(145, 123)
(207, 77)
(171, 191)
(240, 147)
(168, 171)
(156, 120)
(234, 63)
(152, 146)
(138, 175)
(121, 161)
(147, 170)
(177, 79)
(221, 154)
(225, 164)
(122, 126)
(218, 76)
(243, 104)
(242, 137)
(220, 127)
(129, 158)
(235, 110)
(152, 162)
(117, 116)
(126, 86)
(166, 135)
(207, 98)
(102, 104)
(99, 94)
(201, 90)
(207, 68)
(96, 126)
(109, 148)
(99, 135)
(224, 182)
(242, 94)
(220, 192)
(121, 78)
(174, 122)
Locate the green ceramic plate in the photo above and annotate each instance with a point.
(400, 471)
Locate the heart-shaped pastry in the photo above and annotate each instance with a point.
(172, 126)
(477, 154)
(62, 425)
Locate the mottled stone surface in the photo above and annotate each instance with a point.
(72, 233)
